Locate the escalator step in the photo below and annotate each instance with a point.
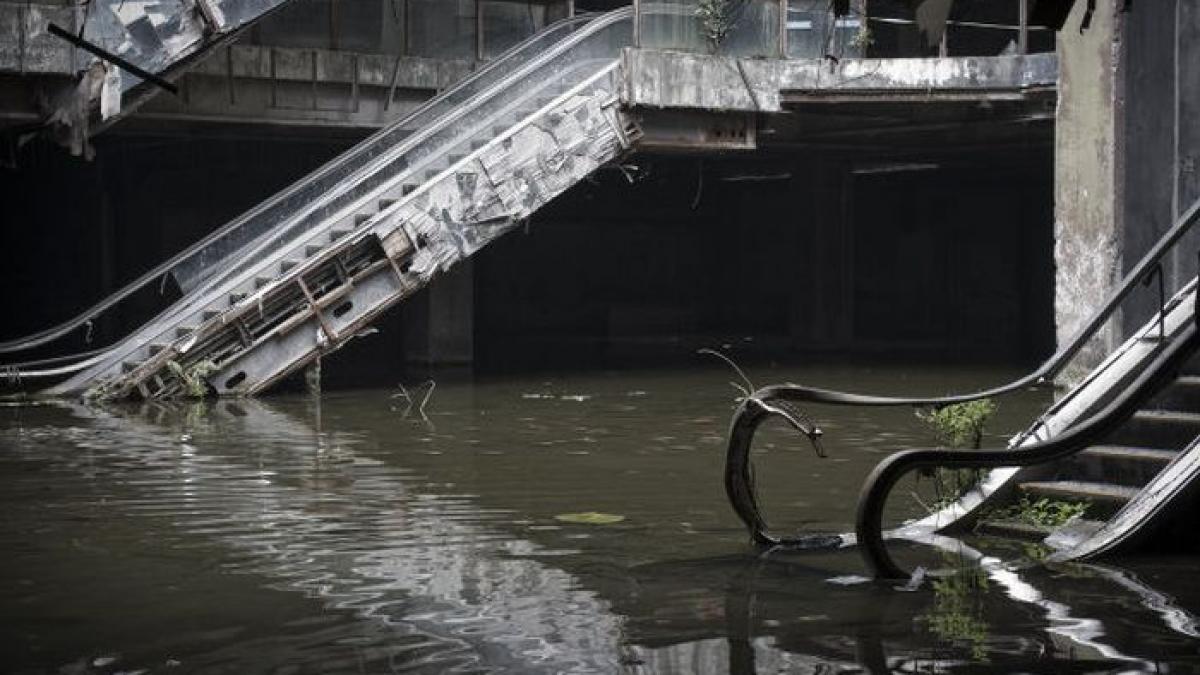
(1012, 529)
(1134, 466)
(155, 348)
(1076, 489)
(287, 265)
(235, 298)
(386, 203)
(184, 331)
(475, 145)
(129, 366)
(209, 314)
(259, 282)
(1168, 429)
(1131, 453)
(455, 159)
(360, 218)
(312, 249)
(496, 131)
(1182, 394)
(407, 189)
(1016, 529)
(430, 174)
(334, 235)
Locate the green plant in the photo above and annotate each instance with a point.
(863, 38)
(960, 425)
(716, 20)
(1042, 512)
(194, 377)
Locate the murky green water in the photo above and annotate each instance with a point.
(291, 536)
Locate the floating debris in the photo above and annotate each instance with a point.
(848, 580)
(914, 582)
(590, 518)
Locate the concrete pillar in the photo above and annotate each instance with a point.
(1088, 234)
(1186, 162)
(439, 323)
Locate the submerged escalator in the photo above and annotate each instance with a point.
(311, 267)
(1121, 447)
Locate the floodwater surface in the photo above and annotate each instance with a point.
(355, 533)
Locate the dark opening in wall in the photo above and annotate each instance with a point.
(780, 255)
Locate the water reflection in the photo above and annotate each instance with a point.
(334, 536)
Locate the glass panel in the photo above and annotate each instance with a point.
(442, 28)
(507, 23)
(672, 25)
(813, 32)
(752, 28)
(755, 30)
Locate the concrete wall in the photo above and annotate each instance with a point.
(1126, 152)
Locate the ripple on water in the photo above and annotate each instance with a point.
(270, 541)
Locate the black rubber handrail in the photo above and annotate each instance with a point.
(1146, 268)
(869, 520)
(83, 318)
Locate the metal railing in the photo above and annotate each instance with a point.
(781, 400)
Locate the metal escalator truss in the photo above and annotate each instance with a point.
(408, 201)
(344, 184)
(322, 303)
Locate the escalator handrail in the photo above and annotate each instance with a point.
(879, 484)
(1052, 366)
(81, 319)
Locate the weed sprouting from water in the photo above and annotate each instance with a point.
(957, 426)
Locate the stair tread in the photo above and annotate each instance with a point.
(1167, 416)
(1082, 489)
(1012, 529)
(1131, 452)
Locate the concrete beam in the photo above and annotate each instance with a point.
(246, 84)
(663, 79)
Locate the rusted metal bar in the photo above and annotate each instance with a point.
(479, 45)
(783, 19)
(637, 24)
(1023, 26)
(316, 310)
(1156, 272)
